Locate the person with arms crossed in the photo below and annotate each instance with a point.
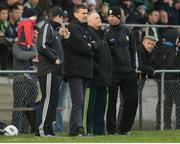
(78, 65)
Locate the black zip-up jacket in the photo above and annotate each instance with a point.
(148, 61)
(167, 59)
(102, 61)
(50, 48)
(78, 51)
(122, 46)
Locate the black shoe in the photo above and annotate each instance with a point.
(125, 133)
(79, 132)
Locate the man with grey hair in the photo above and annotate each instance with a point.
(101, 78)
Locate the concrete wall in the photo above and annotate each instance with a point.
(149, 101)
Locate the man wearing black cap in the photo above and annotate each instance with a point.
(122, 46)
(50, 68)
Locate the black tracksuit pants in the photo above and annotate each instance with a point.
(49, 84)
(125, 120)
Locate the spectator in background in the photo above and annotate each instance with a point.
(167, 60)
(112, 2)
(31, 4)
(163, 20)
(153, 18)
(149, 4)
(11, 31)
(163, 17)
(91, 4)
(103, 11)
(25, 88)
(126, 5)
(101, 79)
(78, 66)
(8, 3)
(167, 5)
(26, 30)
(122, 47)
(176, 9)
(138, 16)
(147, 60)
(21, 9)
(4, 24)
(14, 17)
(69, 7)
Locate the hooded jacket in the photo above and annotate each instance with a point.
(25, 32)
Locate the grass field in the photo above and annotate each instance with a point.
(138, 136)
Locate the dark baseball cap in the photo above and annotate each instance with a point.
(55, 11)
(29, 12)
(115, 11)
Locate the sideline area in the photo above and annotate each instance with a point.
(168, 136)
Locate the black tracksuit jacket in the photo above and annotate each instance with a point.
(122, 47)
(49, 49)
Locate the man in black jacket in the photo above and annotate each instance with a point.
(147, 63)
(78, 65)
(167, 59)
(122, 46)
(147, 57)
(101, 79)
(50, 68)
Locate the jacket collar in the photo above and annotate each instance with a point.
(78, 22)
(54, 24)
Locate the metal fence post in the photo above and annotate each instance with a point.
(140, 110)
(162, 101)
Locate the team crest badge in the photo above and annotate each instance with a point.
(110, 12)
(127, 38)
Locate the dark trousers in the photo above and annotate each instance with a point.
(63, 94)
(49, 84)
(77, 90)
(25, 91)
(172, 95)
(125, 120)
(96, 110)
(4, 53)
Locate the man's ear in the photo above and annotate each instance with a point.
(75, 14)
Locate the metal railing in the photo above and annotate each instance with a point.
(162, 97)
(23, 95)
(161, 72)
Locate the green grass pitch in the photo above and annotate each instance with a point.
(170, 136)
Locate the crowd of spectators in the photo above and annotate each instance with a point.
(164, 12)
